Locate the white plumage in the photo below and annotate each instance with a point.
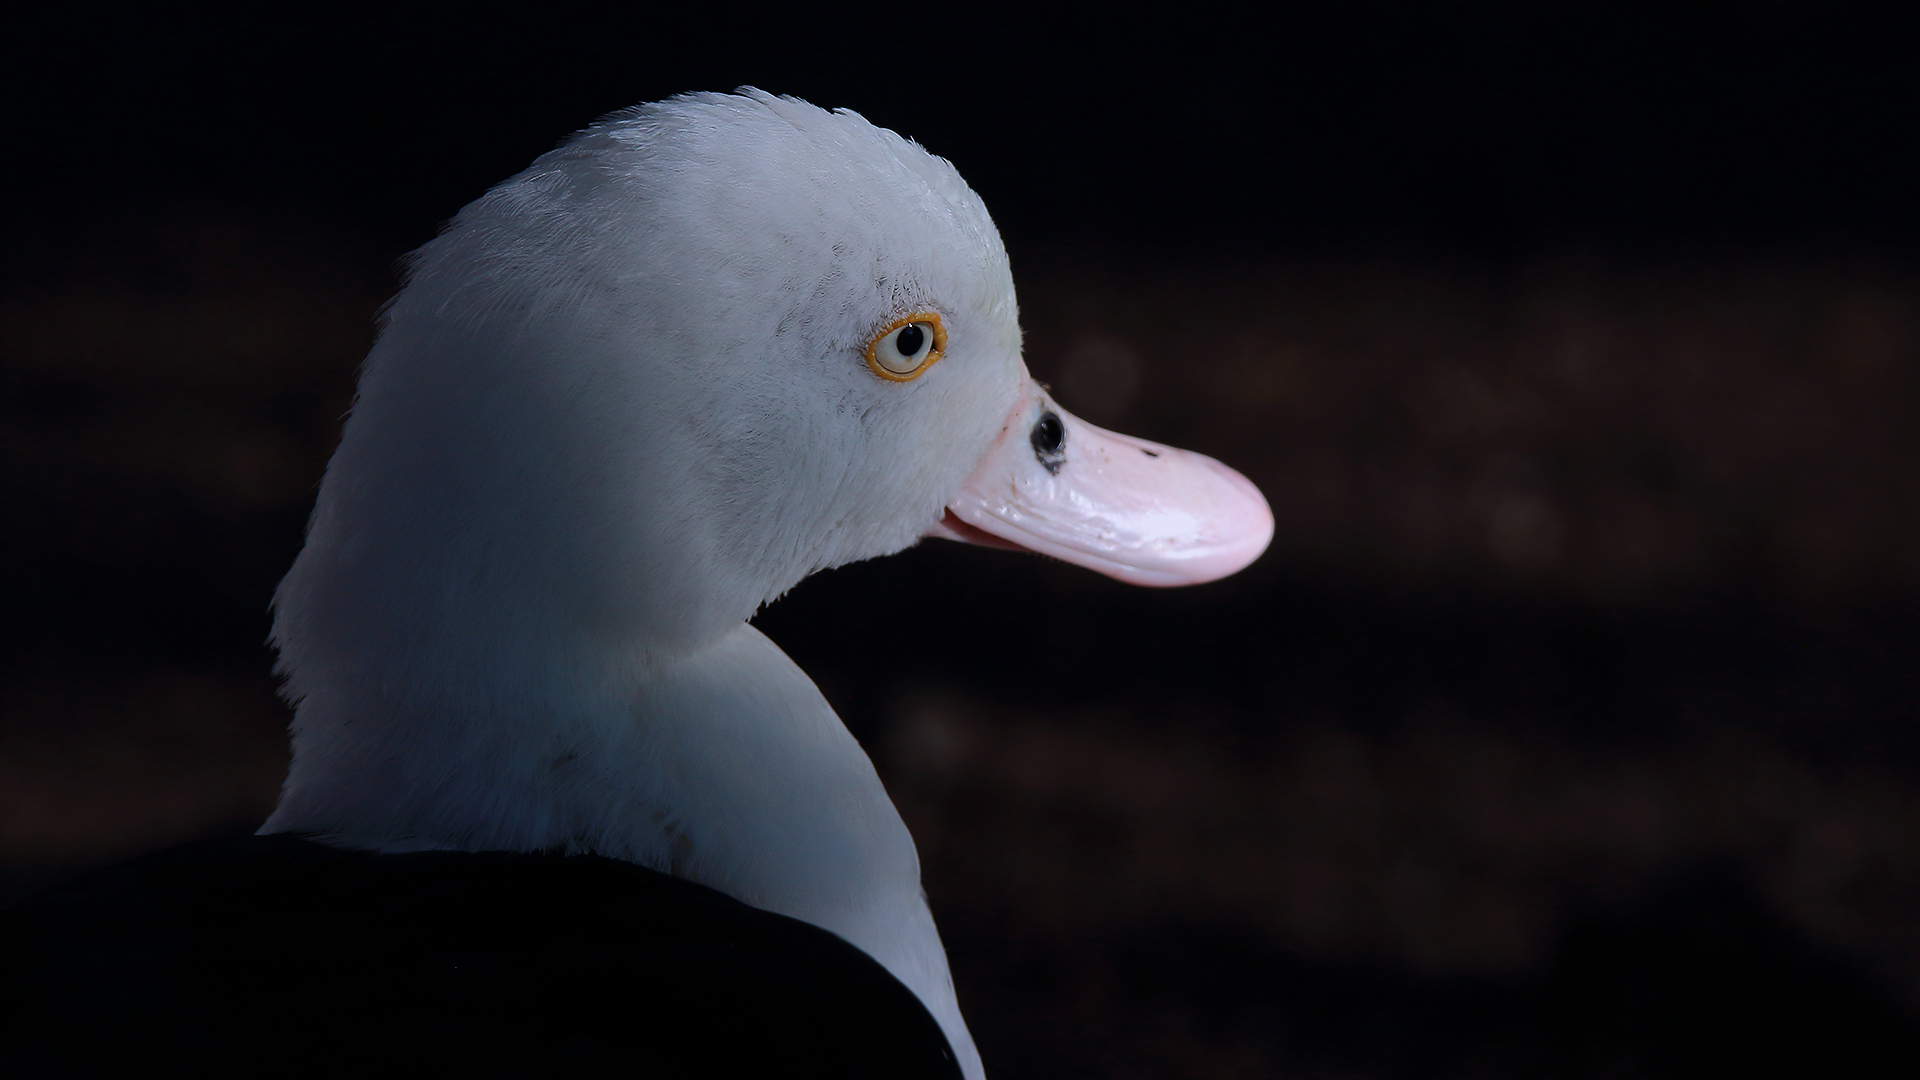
(619, 405)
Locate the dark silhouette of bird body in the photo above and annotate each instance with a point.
(279, 955)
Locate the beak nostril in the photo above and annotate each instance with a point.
(1049, 439)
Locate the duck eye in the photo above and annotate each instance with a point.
(907, 347)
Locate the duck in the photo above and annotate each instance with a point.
(705, 348)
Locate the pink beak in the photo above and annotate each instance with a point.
(1135, 510)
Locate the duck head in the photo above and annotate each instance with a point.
(701, 351)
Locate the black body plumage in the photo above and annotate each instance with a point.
(278, 955)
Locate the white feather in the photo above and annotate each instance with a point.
(619, 405)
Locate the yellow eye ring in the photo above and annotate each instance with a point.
(906, 347)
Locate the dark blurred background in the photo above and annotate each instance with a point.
(1568, 728)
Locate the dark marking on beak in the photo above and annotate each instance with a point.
(1049, 439)
(1150, 453)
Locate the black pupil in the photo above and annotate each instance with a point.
(910, 339)
(1049, 436)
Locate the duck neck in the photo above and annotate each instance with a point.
(720, 763)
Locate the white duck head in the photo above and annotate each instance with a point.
(702, 350)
